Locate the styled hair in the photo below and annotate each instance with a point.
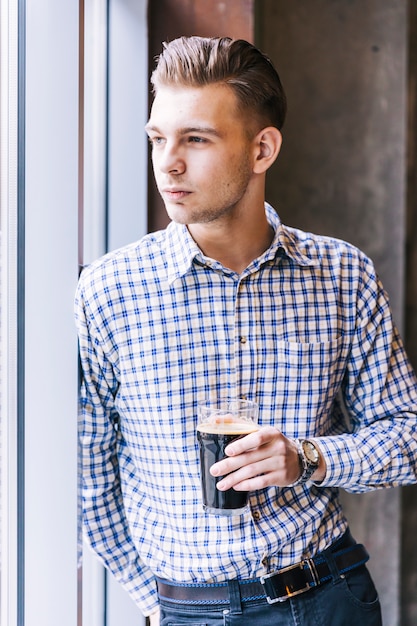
(200, 61)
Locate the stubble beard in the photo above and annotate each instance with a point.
(226, 201)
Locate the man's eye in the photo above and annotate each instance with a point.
(156, 141)
(197, 140)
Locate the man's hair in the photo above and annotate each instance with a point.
(200, 61)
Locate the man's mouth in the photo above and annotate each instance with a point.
(175, 194)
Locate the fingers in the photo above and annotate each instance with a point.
(248, 478)
(154, 619)
(261, 459)
(248, 442)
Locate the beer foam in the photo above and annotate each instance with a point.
(227, 428)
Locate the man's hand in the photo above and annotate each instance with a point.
(154, 619)
(261, 459)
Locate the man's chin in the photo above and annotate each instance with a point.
(182, 215)
(178, 213)
(177, 217)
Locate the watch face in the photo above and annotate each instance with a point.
(311, 452)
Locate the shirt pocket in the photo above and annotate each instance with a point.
(306, 377)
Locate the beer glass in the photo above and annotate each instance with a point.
(219, 423)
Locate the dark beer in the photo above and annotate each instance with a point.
(213, 439)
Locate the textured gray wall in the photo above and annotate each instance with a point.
(342, 172)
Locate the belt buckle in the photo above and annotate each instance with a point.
(291, 593)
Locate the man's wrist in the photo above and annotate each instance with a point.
(311, 461)
(320, 474)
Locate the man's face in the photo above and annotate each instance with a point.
(201, 153)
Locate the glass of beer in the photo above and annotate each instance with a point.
(219, 423)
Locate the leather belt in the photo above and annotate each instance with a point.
(275, 587)
(296, 579)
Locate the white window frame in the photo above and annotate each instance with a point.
(39, 189)
(115, 197)
(9, 510)
(42, 132)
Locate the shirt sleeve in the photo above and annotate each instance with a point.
(379, 398)
(105, 526)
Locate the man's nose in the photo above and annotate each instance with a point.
(171, 161)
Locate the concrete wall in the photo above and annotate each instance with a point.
(343, 172)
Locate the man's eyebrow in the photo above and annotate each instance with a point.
(150, 127)
(204, 130)
(186, 130)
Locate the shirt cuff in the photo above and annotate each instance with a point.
(343, 462)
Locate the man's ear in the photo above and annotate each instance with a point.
(268, 144)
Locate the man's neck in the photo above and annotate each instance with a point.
(236, 247)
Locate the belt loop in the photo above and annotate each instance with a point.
(234, 597)
(331, 562)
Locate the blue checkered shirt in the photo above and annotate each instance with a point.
(305, 331)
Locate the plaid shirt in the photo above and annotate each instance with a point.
(305, 331)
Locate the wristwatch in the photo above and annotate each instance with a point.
(309, 459)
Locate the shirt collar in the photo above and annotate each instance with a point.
(299, 246)
(182, 250)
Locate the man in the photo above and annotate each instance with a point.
(229, 301)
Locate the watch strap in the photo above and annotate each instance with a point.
(307, 468)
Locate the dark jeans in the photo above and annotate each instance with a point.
(348, 600)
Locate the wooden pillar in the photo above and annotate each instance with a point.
(411, 302)
(409, 495)
(169, 19)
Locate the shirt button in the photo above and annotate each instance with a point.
(256, 516)
(242, 339)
